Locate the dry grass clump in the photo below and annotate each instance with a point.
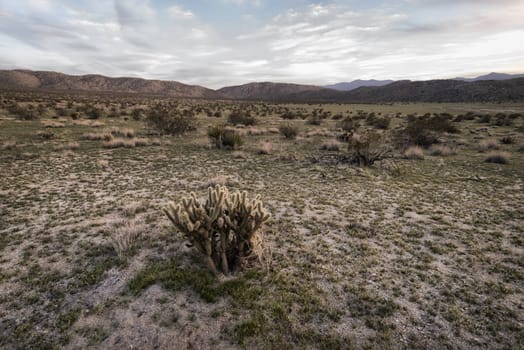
(488, 145)
(52, 124)
(70, 146)
(319, 132)
(256, 131)
(221, 180)
(133, 208)
(265, 147)
(94, 136)
(441, 150)
(499, 157)
(331, 145)
(8, 145)
(123, 132)
(414, 152)
(119, 142)
(125, 238)
(142, 142)
(125, 142)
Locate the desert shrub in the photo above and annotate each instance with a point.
(424, 131)
(499, 157)
(414, 152)
(381, 123)
(226, 229)
(288, 131)
(507, 140)
(236, 118)
(488, 145)
(314, 120)
(441, 150)
(136, 114)
(22, 113)
(502, 119)
(224, 138)
(93, 112)
(46, 135)
(348, 124)
(170, 122)
(368, 149)
(289, 115)
(378, 122)
(486, 118)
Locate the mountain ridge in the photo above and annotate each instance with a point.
(438, 90)
(46, 80)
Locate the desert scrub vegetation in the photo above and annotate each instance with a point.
(425, 130)
(288, 131)
(500, 157)
(400, 254)
(366, 149)
(237, 117)
(170, 122)
(223, 137)
(226, 229)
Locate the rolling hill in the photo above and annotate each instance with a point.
(447, 90)
(25, 79)
(266, 91)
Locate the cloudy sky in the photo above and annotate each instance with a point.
(223, 42)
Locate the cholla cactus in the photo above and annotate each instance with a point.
(226, 229)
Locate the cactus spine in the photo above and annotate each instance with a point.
(225, 229)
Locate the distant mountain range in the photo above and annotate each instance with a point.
(355, 84)
(493, 76)
(358, 83)
(493, 87)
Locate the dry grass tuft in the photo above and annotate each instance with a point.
(8, 145)
(70, 146)
(92, 136)
(499, 157)
(123, 132)
(222, 180)
(134, 207)
(125, 238)
(488, 145)
(441, 150)
(265, 147)
(52, 124)
(119, 142)
(414, 152)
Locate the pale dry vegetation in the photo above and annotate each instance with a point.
(365, 249)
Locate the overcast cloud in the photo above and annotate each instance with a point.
(224, 42)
